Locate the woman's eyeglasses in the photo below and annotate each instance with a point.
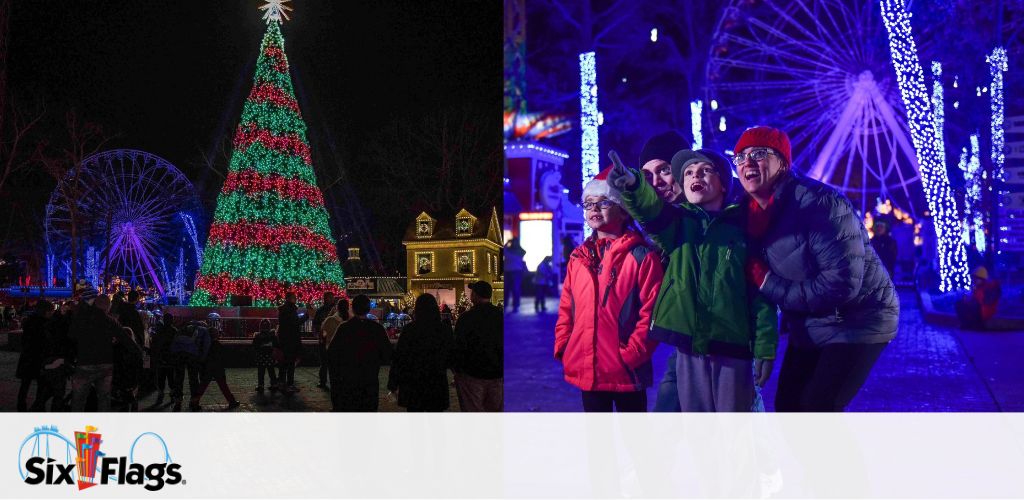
(755, 155)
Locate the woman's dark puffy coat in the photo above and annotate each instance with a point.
(825, 276)
(419, 366)
(33, 348)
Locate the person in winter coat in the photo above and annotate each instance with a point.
(514, 266)
(55, 372)
(318, 320)
(188, 352)
(706, 308)
(93, 333)
(357, 351)
(127, 314)
(160, 356)
(885, 245)
(975, 308)
(213, 371)
(128, 364)
(543, 280)
(656, 166)
(477, 359)
(341, 313)
(419, 365)
(264, 343)
(607, 300)
(289, 325)
(33, 350)
(812, 257)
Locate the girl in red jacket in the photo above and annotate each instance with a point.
(608, 296)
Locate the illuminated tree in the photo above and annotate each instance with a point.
(270, 232)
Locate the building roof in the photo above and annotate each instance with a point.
(443, 227)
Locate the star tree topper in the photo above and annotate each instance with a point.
(275, 10)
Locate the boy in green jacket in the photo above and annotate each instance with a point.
(706, 307)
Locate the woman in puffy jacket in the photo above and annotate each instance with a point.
(813, 257)
(611, 283)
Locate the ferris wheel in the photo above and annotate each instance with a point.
(821, 71)
(133, 212)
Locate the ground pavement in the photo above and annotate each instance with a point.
(926, 368)
(242, 382)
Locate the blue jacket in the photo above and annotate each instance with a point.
(825, 276)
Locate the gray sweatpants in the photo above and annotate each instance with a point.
(714, 383)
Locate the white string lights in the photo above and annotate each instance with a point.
(590, 154)
(998, 64)
(973, 177)
(929, 145)
(696, 110)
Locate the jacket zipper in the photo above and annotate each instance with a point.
(663, 294)
(608, 289)
(597, 292)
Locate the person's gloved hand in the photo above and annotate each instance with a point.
(757, 271)
(620, 177)
(762, 371)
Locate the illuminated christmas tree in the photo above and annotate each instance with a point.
(270, 232)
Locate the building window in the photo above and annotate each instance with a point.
(424, 228)
(463, 226)
(465, 263)
(424, 263)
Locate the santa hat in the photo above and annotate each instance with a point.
(599, 186)
(768, 137)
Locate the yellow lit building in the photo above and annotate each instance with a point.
(446, 254)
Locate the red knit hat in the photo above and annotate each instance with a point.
(766, 137)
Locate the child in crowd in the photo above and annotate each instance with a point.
(264, 343)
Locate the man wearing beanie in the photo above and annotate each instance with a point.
(715, 320)
(655, 164)
(655, 159)
(611, 283)
(813, 258)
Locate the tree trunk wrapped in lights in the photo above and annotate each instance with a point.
(270, 232)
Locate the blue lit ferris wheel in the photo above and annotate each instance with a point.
(134, 216)
(820, 70)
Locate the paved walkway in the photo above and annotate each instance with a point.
(926, 368)
(242, 382)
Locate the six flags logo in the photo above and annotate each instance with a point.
(90, 465)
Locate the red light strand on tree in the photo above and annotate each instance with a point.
(275, 95)
(222, 285)
(289, 143)
(251, 182)
(244, 234)
(275, 53)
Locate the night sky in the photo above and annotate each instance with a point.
(170, 78)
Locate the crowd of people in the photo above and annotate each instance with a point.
(89, 354)
(677, 257)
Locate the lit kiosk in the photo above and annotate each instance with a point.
(379, 288)
(446, 254)
(543, 216)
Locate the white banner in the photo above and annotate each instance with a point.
(516, 455)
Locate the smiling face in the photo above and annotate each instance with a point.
(759, 177)
(608, 219)
(659, 174)
(703, 186)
